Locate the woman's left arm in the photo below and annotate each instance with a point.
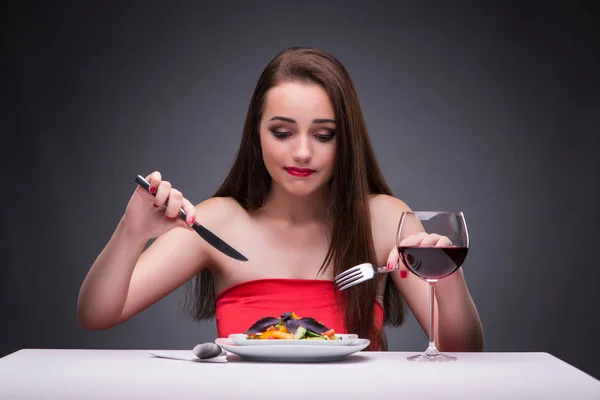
(457, 323)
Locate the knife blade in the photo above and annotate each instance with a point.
(207, 235)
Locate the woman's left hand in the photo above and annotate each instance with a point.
(421, 239)
(425, 240)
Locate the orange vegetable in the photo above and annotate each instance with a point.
(330, 332)
(274, 334)
(282, 328)
(271, 328)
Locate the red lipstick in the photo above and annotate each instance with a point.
(299, 172)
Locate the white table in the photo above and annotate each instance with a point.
(134, 374)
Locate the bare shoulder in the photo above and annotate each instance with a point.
(382, 204)
(219, 210)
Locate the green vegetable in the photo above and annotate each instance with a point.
(300, 333)
(310, 334)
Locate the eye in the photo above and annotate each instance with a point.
(325, 137)
(281, 135)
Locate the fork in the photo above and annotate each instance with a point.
(360, 273)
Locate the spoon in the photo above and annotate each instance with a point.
(207, 350)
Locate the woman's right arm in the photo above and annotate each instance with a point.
(123, 281)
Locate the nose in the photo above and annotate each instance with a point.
(302, 152)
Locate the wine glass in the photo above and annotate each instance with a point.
(432, 263)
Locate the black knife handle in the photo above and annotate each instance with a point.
(144, 183)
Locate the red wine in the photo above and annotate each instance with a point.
(433, 262)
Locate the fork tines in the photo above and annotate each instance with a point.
(355, 275)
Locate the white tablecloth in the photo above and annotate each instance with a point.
(134, 374)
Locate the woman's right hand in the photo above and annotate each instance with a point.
(149, 216)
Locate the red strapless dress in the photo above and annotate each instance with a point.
(241, 305)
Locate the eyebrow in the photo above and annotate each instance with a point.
(293, 121)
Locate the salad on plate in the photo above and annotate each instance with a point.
(290, 326)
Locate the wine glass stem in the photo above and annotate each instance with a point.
(432, 316)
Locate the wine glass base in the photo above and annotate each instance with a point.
(423, 357)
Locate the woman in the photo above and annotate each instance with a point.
(304, 201)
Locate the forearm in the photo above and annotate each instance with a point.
(459, 327)
(104, 291)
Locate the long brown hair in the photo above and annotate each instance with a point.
(357, 175)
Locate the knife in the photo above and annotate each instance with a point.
(207, 235)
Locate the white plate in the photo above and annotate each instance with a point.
(287, 353)
(240, 339)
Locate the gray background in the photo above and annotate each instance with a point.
(487, 108)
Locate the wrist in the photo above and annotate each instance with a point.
(126, 231)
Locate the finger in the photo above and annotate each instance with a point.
(162, 193)
(413, 240)
(393, 260)
(430, 240)
(154, 180)
(443, 242)
(174, 203)
(190, 211)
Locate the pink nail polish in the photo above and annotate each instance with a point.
(192, 219)
(390, 266)
(403, 274)
(152, 189)
(155, 206)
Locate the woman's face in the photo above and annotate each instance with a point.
(298, 137)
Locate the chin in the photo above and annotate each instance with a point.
(300, 192)
(304, 189)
